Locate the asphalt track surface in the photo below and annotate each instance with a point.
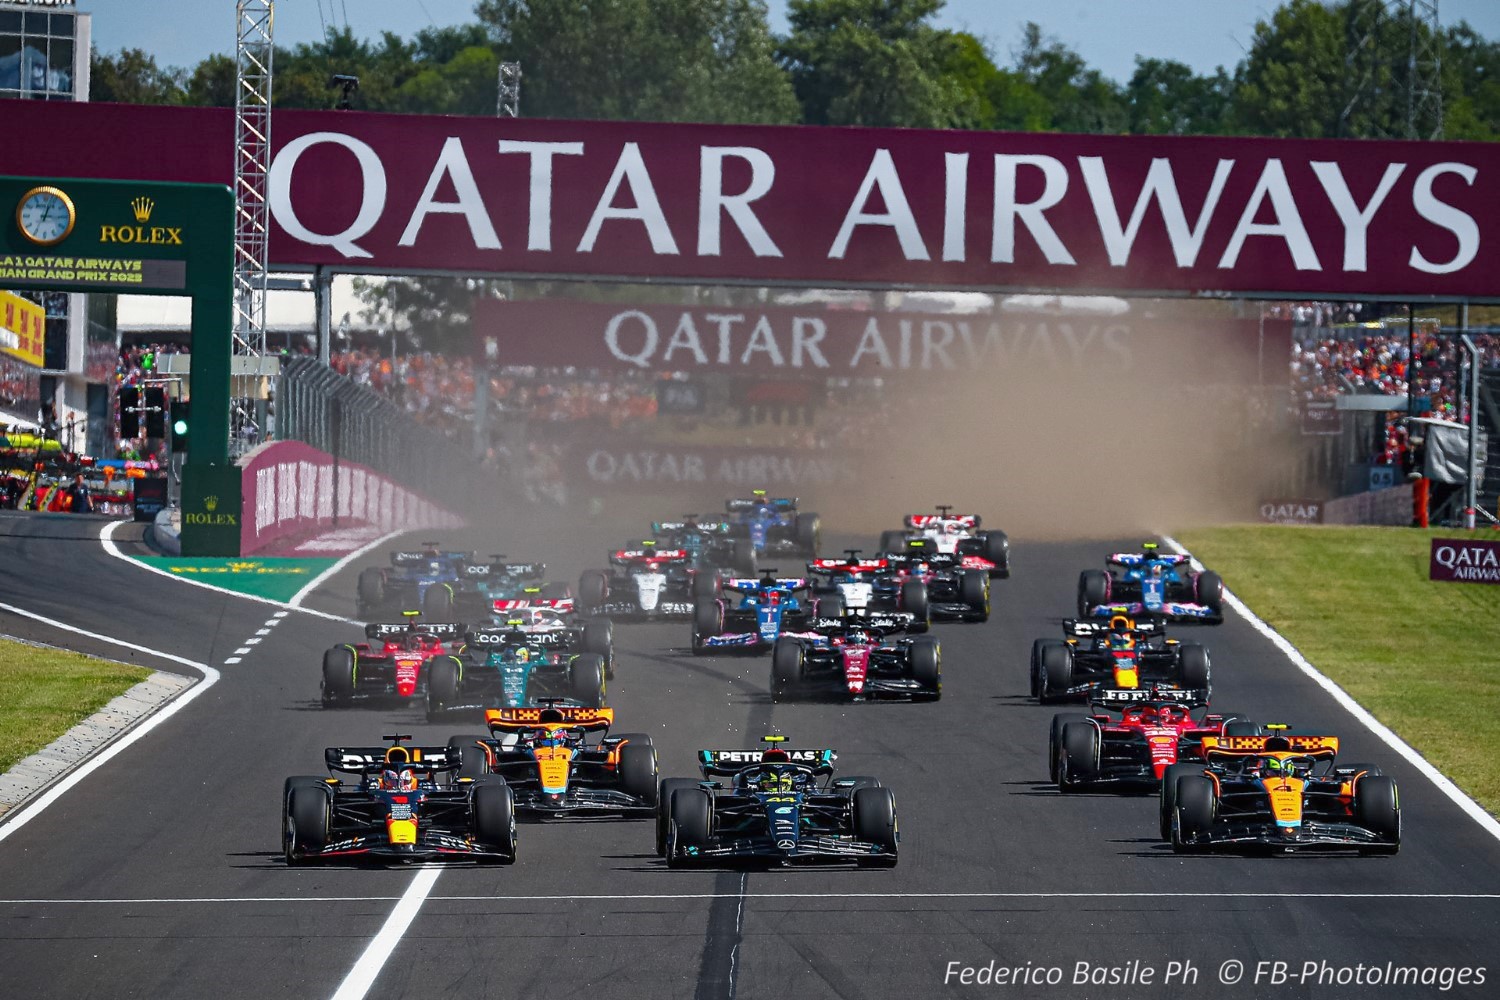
(159, 875)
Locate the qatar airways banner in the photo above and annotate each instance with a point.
(830, 342)
(822, 206)
(1464, 560)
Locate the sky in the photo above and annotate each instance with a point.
(1109, 34)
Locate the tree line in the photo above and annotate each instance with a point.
(1313, 70)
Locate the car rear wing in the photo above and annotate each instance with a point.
(885, 622)
(485, 571)
(707, 527)
(1240, 746)
(517, 635)
(1088, 628)
(366, 760)
(744, 504)
(846, 565)
(1136, 559)
(446, 631)
(558, 604)
(751, 584)
(572, 716)
(623, 557)
(719, 763)
(919, 522)
(918, 551)
(1118, 699)
(403, 559)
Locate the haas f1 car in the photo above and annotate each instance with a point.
(774, 526)
(395, 808)
(851, 657)
(1279, 792)
(956, 535)
(391, 663)
(1132, 738)
(775, 806)
(514, 666)
(750, 614)
(1122, 654)
(560, 760)
(860, 587)
(1152, 582)
(645, 583)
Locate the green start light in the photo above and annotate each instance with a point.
(179, 426)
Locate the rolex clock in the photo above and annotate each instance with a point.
(45, 215)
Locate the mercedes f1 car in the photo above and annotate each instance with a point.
(560, 759)
(774, 526)
(1131, 739)
(852, 657)
(775, 806)
(1279, 792)
(953, 534)
(1121, 654)
(645, 583)
(512, 667)
(391, 663)
(1152, 582)
(396, 808)
(752, 613)
(710, 545)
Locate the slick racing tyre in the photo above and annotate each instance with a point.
(338, 676)
(664, 808)
(638, 772)
(494, 806)
(1055, 675)
(926, 661)
(974, 591)
(708, 620)
(443, 677)
(586, 679)
(1194, 816)
(1377, 808)
(307, 814)
(437, 603)
(691, 823)
(1168, 803)
(786, 668)
(874, 812)
(371, 587)
(557, 590)
(1192, 667)
(599, 637)
(809, 530)
(914, 600)
(995, 547)
(1078, 764)
(831, 605)
(1093, 590)
(892, 541)
(1209, 590)
(1035, 672)
(593, 588)
(744, 559)
(1060, 721)
(473, 762)
(706, 583)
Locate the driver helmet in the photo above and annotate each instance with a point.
(555, 738)
(435, 567)
(952, 528)
(522, 655)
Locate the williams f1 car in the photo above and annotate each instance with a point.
(396, 808)
(391, 663)
(852, 657)
(775, 806)
(774, 526)
(956, 535)
(1152, 582)
(1121, 654)
(1279, 792)
(559, 759)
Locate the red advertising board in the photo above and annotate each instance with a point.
(823, 206)
(1464, 560)
(823, 342)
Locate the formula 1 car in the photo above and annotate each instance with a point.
(395, 808)
(498, 580)
(751, 613)
(778, 806)
(953, 534)
(391, 663)
(851, 656)
(710, 545)
(1120, 654)
(1152, 582)
(1149, 731)
(1279, 792)
(644, 583)
(953, 593)
(774, 526)
(859, 587)
(514, 666)
(426, 578)
(560, 759)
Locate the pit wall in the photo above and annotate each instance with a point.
(291, 491)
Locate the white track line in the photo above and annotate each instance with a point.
(106, 538)
(18, 818)
(360, 978)
(638, 897)
(296, 601)
(1382, 732)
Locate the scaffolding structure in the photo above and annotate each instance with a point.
(1393, 56)
(508, 105)
(253, 54)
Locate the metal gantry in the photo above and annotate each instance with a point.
(253, 52)
(508, 104)
(1393, 58)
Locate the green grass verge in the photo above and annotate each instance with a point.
(45, 692)
(1420, 656)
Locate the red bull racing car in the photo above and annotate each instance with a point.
(1122, 654)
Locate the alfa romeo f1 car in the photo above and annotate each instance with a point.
(512, 667)
(752, 613)
(1279, 792)
(1152, 582)
(774, 526)
(778, 806)
(852, 657)
(954, 534)
(560, 759)
(392, 663)
(396, 808)
(1121, 654)
(645, 583)
(1131, 739)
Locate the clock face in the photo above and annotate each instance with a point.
(45, 216)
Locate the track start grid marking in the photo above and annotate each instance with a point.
(433, 871)
(260, 635)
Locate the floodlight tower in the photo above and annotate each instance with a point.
(253, 54)
(1393, 56)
